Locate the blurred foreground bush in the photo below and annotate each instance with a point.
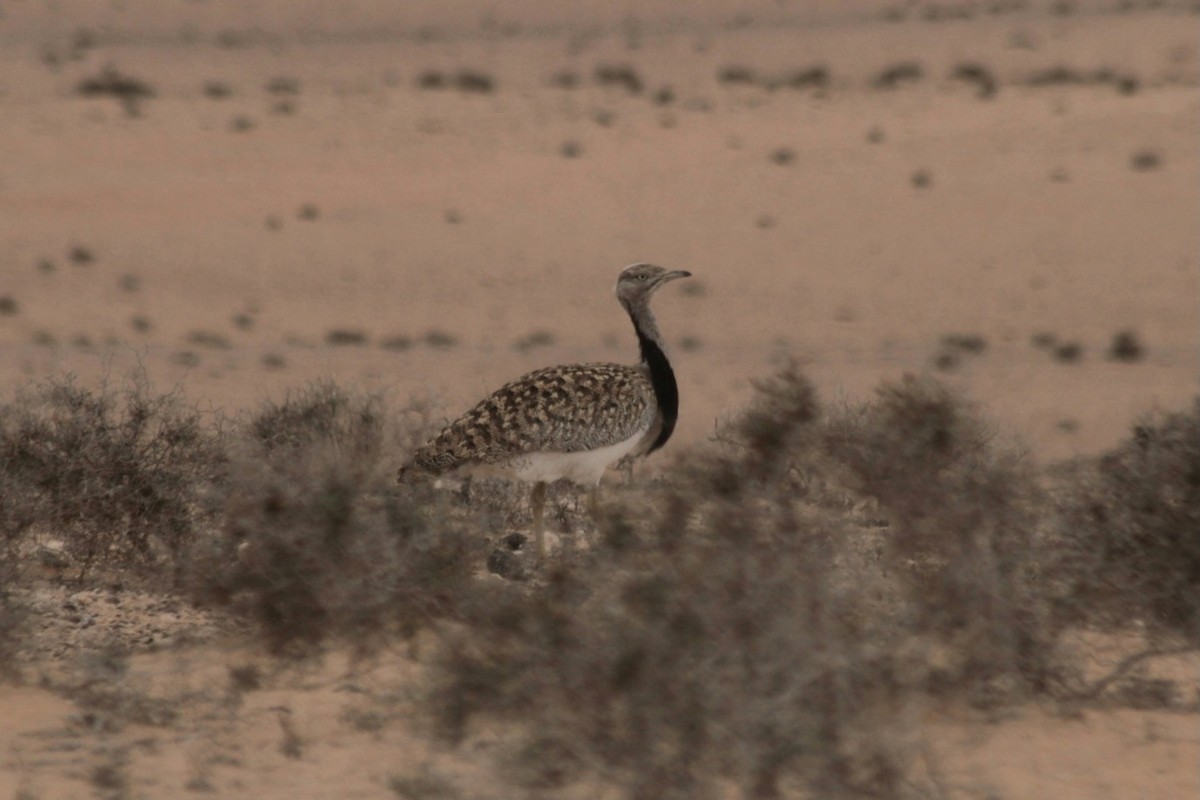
(316, 542)
(1128, 550)
(117, 476)
(755, 622)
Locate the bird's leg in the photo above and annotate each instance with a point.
(594, 503)
(537, 500)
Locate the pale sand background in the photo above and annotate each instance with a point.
(1034, 221)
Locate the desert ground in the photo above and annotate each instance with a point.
(427, 199)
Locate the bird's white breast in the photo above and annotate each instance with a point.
(585, 467)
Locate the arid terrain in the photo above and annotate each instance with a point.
(422, 200)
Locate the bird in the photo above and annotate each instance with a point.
(570, 421)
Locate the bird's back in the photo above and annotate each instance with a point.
(567, 409)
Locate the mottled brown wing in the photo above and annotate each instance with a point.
(560, 409)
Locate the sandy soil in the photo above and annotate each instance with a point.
(850, 227)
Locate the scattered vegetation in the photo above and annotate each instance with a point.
(816, 78)
(1126, 346)
(783, 156)
(8, 305)
(1145, 161)
(120, 474)
(469, 81)
(766, 619)
(534, 339)
(283, 84)
(217, 90)
(979, 76)
(897, 75)
(81, 255)
(474, 81)
(343, 337)
(1062, 75)
(620, 76)
(749, 626)
(111, 82)
(210, 339)
(736, 74)
(397, 344)
(440, 339)
(1130, 555)
(1068, 352)
(317, 542)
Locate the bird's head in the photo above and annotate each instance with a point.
(638, 281)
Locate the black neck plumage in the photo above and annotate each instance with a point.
(666, 391)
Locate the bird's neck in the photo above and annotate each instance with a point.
(662, 377)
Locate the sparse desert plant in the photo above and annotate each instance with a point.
(816, 77)
(1145, 161)
(432, 79)
(8, 305)
(972, 343)
(120, 474)
(474, 82)
(283, 84)
(1126, 346)
(440, 339)
(1129, 553)
(898, 74)
(308, 212)
(241, 123)
(1063, 75)
(979, 76)
(210, 339)
(397, 344)
(111, 82)
(185, 358)
(961, 512)
(736, 74)
(783, 156)
(1044, 340)
(318, 543)
(921, 179)
(344, 337)
(81, 255)
(1068, 352)
(217, 90)
(534, 339)
(619, 75)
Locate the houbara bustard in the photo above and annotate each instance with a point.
(571, 421)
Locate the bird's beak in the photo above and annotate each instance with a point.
(675, 273)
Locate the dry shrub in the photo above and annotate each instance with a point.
(1128, 544)
(121, 475)
(316, 540)
(963, 514)
(748, 622)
